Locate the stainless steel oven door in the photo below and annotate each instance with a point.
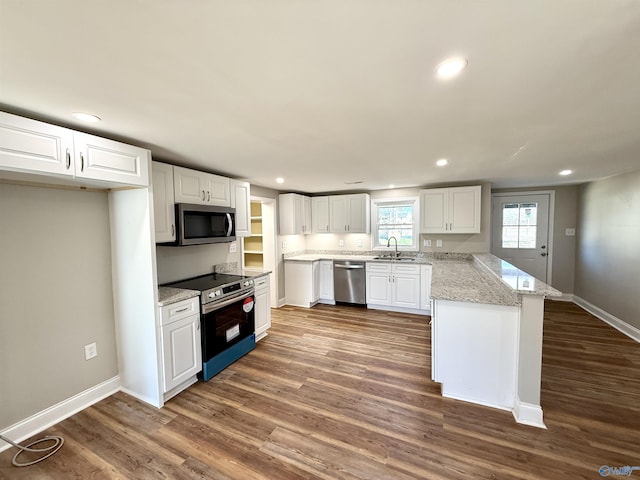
(227, 322)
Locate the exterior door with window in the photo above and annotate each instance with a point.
(520, 232)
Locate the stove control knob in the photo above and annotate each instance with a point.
(248, 283)
(216, 293)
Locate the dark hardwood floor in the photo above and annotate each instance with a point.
(345, 393)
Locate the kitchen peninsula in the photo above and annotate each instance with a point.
(486, 337)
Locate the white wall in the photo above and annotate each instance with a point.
(178, 263)
(55, 295)
(608, 251)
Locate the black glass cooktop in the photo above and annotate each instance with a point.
(206, 282)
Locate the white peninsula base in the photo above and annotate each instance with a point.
(490, 354)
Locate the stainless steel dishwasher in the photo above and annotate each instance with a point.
(349, 282)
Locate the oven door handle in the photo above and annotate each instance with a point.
(208, 308)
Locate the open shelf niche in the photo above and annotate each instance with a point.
(253, 245)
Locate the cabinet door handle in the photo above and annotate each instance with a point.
(203, 197)
(208, 196)
(68, 159)
(81, 162)
(173, 230)
(182, 310)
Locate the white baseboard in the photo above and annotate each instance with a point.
(56, 413)
(620, 325)
(528, 414)
(566, 297)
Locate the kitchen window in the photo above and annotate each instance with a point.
(397, 218)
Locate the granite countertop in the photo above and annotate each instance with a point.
(474, 278)
(514, 278)
(462, 281)
(169, 295)
(313, 257)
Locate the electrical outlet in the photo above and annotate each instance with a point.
(233, 247)
(284, 245)
(438, 243)
(90, 351)
(570, 232)
(427, 243)
(359, 243)
(341, 243)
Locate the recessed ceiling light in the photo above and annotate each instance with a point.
(442, 162)
(451, 67)
(564, 173)
(279, 180)
(86, 117)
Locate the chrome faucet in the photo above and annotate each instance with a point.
(389, 244)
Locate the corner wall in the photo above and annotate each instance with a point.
(55, 297)
(608, 250)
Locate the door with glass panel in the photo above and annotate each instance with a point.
(520, 232)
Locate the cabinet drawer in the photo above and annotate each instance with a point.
(261, 282)
(402, 268)
(378, 267)
(178, 310)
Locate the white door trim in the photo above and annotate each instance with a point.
(552, 209)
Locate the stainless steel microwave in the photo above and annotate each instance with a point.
(200, 224)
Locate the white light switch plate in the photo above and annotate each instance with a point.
(570, 232)
(90, 351)
(438, 243)
(341, 243)
(427, 243)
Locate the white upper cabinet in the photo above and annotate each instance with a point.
(163, 202)
(241, 201)
(27, 145)
(350, 213)
(450, 210)
(36, 147)
(295, 214)
(320, 214)
(102, 159)
(201, 188)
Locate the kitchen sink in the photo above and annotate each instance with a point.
(395, 259)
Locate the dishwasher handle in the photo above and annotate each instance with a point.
(348, 267)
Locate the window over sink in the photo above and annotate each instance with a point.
(395, 217)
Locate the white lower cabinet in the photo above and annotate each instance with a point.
(263, 306)
(302, 283)
(393, 285)
(181, 345)
(326, 282)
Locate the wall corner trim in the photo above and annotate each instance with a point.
(44, 419)
(528, 414)
(620, 325)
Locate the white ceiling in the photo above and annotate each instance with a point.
(334, 91)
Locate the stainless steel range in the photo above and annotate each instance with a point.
(227, 318)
